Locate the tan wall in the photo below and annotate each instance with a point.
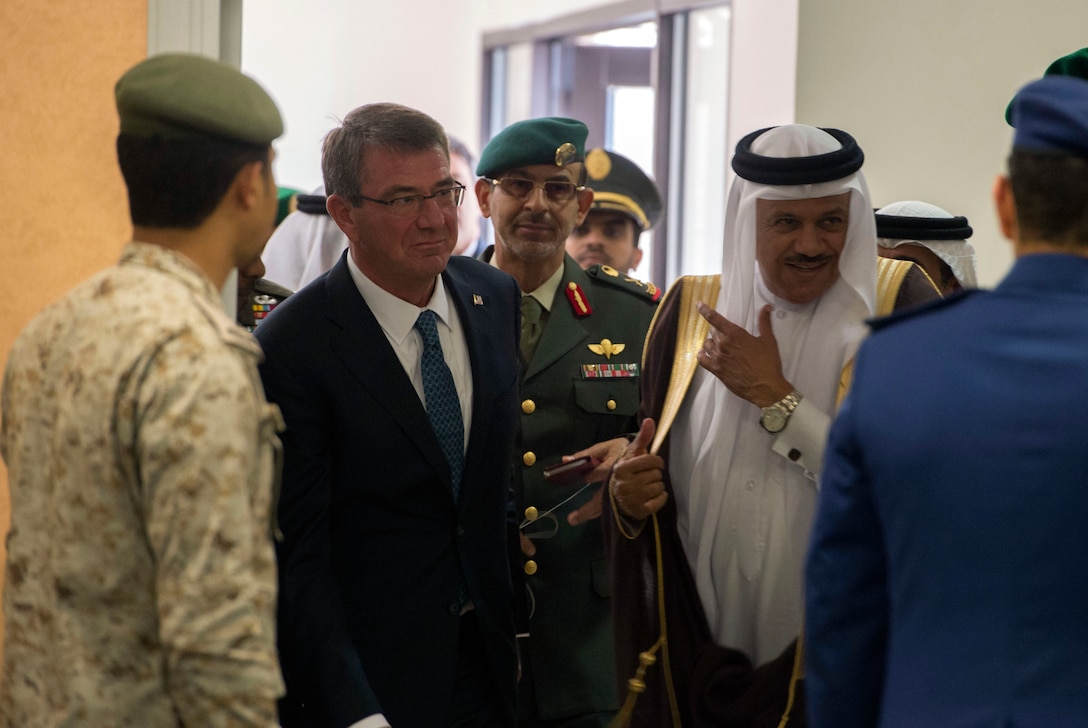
(64, 207)
(923, 86)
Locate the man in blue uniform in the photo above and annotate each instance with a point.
(945, 581)
(582, 335)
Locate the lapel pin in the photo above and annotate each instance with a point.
(477, 299)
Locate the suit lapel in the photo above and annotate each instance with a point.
(366, 353)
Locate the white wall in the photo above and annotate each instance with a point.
(763, 59)
(322, 58)
(923, 87)
(921, 84)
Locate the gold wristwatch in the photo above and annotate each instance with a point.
(775, 416)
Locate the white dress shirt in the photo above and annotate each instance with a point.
(397, 318)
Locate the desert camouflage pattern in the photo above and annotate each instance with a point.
(140, 585)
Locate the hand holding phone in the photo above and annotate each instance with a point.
(570, 472)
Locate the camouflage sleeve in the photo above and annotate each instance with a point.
(206, 498)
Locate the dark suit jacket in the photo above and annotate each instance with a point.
(373, 543)
(946, 578)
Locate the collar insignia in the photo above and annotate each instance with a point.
(577, 298)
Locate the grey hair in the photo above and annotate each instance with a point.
(385, 126)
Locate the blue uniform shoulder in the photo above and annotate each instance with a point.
(609, 276)
(912, 312)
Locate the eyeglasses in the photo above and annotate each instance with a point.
(411, 205)
(557, 192)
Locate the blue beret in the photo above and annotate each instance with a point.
(1051, 114)
(551, 140)
(185, 96)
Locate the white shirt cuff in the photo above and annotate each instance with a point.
(805, 437)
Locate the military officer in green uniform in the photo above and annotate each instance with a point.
(582, 337)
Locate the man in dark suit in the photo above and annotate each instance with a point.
(397, 375)
(945, 580)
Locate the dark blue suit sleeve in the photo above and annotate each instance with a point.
(324, 675)
(846, 599)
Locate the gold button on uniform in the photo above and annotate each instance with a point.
(529, 458)
(528, 406)
(531, 513)
(530, 567)
(610, 404)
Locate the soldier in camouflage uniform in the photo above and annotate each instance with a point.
(140, 585)
(582, 335)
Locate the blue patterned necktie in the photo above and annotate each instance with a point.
(443, 406)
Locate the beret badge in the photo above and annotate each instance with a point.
(565, 153)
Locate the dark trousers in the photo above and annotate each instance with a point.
(590, 720)
(475, 703)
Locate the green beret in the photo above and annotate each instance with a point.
(551, 140)
(183, 96)
(286, 202)
(619, 184)
(1074, 64)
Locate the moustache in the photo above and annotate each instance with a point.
(533, 218)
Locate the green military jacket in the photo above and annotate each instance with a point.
(581, 387)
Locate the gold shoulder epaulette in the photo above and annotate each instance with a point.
(608, 274)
